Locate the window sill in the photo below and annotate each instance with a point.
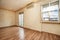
(51, 22)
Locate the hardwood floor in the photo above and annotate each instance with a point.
(10, 33)
(35, 35)
(17, 33)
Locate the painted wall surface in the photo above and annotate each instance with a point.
(59, 3)
(32, 17)
(7, 18)
(51, 28)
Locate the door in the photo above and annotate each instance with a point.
(21, 15)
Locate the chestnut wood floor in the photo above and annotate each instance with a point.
(35, 35)
(10, 33)
(17, 33)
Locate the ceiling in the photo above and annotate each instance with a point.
(16, 4)
(13, 4)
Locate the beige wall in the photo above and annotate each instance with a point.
(32, 17)
(51, 28)
(59, 3)
(7, 18)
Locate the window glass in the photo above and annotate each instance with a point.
(50, 11)
(45, 16)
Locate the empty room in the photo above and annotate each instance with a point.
(29, 19)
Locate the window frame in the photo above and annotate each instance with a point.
(47, 21)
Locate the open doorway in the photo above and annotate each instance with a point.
(21, 23)
(21, 19)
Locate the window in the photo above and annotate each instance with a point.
(50, 11)
(21, 19)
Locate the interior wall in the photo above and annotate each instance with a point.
(51, 28)
(7, 18)
(32, 17)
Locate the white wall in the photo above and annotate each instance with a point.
(7, 18)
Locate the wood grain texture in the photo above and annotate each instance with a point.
(17, 33)
(35, 35)
(10, 33)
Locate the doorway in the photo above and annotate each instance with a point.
(21, 19)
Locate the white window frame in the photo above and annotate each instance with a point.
(49, 20)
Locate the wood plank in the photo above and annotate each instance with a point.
(13, 33)
(35, 35)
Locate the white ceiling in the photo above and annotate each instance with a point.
(17, 4)
(13, 4)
